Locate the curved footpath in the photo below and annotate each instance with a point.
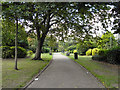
(64, 73)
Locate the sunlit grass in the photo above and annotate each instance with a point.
(28, 68)
(107, 75)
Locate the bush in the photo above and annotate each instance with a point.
(99, 58)
(32, 49)
(95, 51)
(21, 52)
(9, 52)
(45, 50)
(89, 52)
(113, 56)
(102, 52)
(29, 53)
(75, 51)
(6, 52)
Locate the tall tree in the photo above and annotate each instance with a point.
(44, 17)
(11, 11)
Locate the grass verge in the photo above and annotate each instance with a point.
(27, 70)
(105, 73)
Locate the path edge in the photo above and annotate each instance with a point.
(40, 72)
(86, 70)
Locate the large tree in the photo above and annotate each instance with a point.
(59, 18)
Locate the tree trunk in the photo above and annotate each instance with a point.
(41, 39)
(16, 44)
(38, 51)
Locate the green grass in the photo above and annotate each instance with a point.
(106, 73)
(28, 68)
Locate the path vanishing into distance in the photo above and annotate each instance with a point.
(65, 73)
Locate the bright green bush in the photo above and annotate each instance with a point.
(21, 52)
(95, 51)
(75, 51)
(89, 52)
(29, 53)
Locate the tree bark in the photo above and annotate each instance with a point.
(16, 44)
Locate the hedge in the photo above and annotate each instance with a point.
(111, 56)
(9, 52)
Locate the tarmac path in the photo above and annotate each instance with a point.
(64, 73)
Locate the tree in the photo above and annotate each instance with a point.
(50, 42)
(11, 11)
(107, 40)
(8, 34)
(42, 18)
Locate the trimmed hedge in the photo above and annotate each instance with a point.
(111, 56)
(99, 58)
(9, 52)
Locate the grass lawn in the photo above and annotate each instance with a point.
(27, 70)
(106, 73)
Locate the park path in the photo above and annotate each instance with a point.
(64, 73)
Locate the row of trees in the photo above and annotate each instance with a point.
(58, 19)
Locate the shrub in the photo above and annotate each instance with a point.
(21, 52)
(29, 53)
(95, 51)
(102, 52)
(89, 52)
(6, 52)
(75, 51)
(99, 58)
(113, 56)
(45, 50)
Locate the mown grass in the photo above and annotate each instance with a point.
(106, 73)
(28, 68)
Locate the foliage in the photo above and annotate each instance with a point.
(111, 56)
(51, 42)
(83, 46)
(8, 34)
(71, 48)
(107, 41)
(102, 52)
(95, 51)
(29, 53)
(6, 52)
(45, 50)
(32, 43)
(89, 52)
(21, 52)
(99, 58)
(9, 52)
(75, 51)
